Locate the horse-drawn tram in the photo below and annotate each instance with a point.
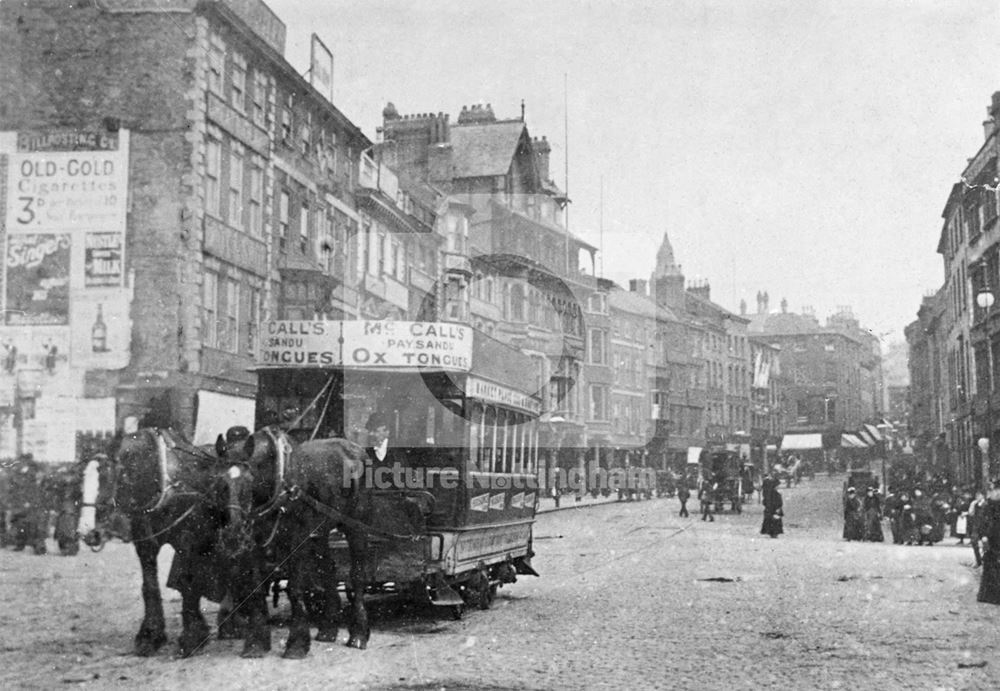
(444, 419)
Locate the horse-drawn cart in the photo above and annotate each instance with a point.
(460, 445)
(724, 468)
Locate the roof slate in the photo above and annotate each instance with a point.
(484, 150)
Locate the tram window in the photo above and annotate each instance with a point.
(490, 445)
(512, 444)
(505, 448)
(480, 460)
(534, 448)
(525, 445)
(475, 429)
(429, 423)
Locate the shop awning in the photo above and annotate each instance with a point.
(802, 442)
(694, 454)
(851, 441)
(866, 437)
(873, 430)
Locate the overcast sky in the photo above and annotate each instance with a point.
(803, 148)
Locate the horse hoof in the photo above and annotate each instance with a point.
(146, 646)
(326, 636)
(296, 653)
(357, 643)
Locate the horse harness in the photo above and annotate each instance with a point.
(284, 496)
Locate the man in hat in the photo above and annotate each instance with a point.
(380, 452)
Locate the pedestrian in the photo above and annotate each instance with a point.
(707, 496)
(973, 521)
(683, 494)
(773, 509)
(891, 508)
(989, 526)
(853, 524)
(872, 508)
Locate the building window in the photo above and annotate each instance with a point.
(283, 210)
(238, 85)
(256, 215)
(229, 338)
(259, 99)
(326, 242)
(236, 185)
(253, 320)
(216, 63)
(213, 171)
(305, 135)
(380, 252)
(286, 120)
(304, 228)
(517, 302)
(209, 305)
(598, 346)
(598, 402)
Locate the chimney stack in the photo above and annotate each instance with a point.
(701, 288)
(993, 111)
(542, 151)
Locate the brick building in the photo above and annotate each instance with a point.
(236, 198)
(829, 372)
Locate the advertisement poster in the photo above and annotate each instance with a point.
(37, 280)
(102, 260)
(101, 330)
(67, 190)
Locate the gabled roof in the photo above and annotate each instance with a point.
(636, 303)
(483, 150)
(633, 303)
(697, 300)
(954, 198)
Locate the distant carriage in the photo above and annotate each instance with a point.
(724, 468)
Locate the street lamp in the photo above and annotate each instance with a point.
(985, 299)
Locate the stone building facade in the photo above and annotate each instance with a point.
(243, 203)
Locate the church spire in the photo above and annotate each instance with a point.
(665, 264)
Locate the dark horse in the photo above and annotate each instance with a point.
(290, 500)
(171, 492)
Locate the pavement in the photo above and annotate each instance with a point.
(631, 596)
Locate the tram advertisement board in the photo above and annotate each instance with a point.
(366, 344)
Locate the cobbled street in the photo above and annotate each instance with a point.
(631, 596)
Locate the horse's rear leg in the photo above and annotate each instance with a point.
(257, 641)
(151, 635)
(329, 622)
(358, 628)
(195, 631)
(298, 629)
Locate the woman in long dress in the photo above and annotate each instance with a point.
(873, 516)
(854, 528)
(773, 509)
